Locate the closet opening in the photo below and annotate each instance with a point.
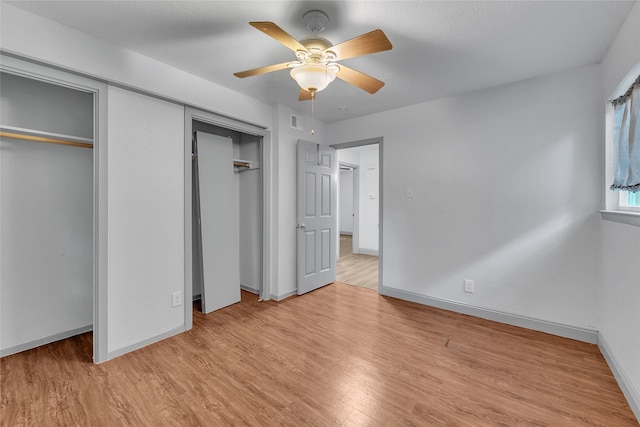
(47, 216)
(227, 215)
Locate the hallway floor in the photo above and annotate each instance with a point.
(356, 269)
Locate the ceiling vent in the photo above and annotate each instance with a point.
(296, 123)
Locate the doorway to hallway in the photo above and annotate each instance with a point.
(359, 216)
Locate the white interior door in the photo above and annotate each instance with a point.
(218, 222)
(317, 216)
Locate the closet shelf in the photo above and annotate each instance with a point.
(41, 136)
(245, 165)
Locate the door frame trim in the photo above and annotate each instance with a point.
(359, 143)
(190, 114)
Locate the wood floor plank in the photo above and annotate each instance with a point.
(338, 356)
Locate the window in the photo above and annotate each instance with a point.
(630, 201)
(625, 128)
(623, 204)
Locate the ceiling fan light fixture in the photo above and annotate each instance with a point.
(313, 77)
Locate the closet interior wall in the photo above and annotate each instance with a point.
(248, 199)
(46, 214)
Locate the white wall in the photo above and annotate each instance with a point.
(346, 206)
(369, 213)
(47, 265)
(38, 105)
(349, 155)
(285, 167)
(619, 296)
(507, 187)
(250, 214)
(145, 217)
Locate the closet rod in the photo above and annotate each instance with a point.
(45, 134)
(45, 139)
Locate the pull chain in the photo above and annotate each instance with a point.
(313, 97)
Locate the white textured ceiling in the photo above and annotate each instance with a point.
(440, 48)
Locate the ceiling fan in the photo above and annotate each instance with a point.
(316, 66)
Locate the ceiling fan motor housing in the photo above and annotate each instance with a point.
(316, 51)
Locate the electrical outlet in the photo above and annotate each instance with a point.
(468, 286)
(176, 299)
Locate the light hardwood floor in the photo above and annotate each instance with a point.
(338, 356)
(356, 269)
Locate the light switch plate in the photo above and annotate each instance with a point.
(409, 192)
(468, 286)
(176, 299)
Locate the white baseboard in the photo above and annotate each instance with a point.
(45, 340)
(283, 296)
(248, 289)
(580, 334)
(629, 391)
(144, 343)
(366, 251)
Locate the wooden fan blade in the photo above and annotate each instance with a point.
(372, 42)
(305, 95)
(272, 30)
(263, 70)
(359, 79)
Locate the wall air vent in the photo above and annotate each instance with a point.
(296, 123)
